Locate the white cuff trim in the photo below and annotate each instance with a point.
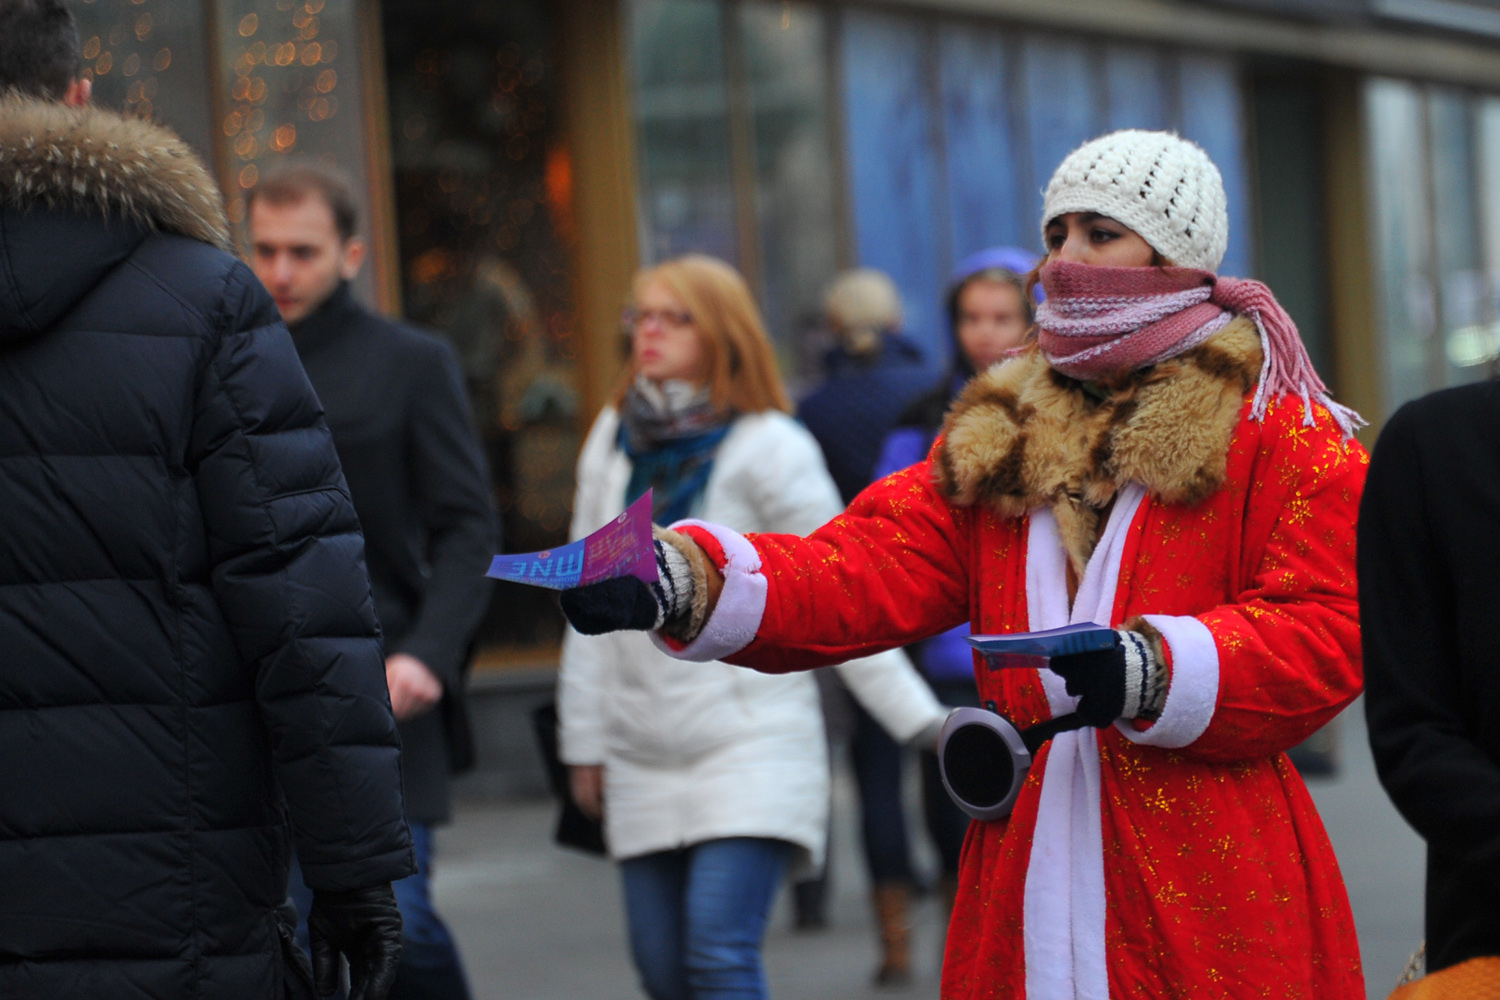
(1194, 690)
(742, 602)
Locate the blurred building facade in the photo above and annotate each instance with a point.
(521, 158)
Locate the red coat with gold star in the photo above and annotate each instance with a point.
(1178, 859)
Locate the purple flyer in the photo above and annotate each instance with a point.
(621, 548)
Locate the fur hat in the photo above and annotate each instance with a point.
(1157, 183)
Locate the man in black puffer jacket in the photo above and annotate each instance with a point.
(190, 665)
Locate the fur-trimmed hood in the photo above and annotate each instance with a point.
(94, 161)
(80, 190)
(1022, 435)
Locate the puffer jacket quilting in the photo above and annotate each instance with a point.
(189, 655)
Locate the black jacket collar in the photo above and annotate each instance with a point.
(335, 318)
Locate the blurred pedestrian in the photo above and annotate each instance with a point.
(395, 404)
(1429, 548)
(990, 317)
(191, 677)
(1163, 460)
(712, 781)
(873, 371)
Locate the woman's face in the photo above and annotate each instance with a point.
(991, 320)
(664, 340)
(1091, 238)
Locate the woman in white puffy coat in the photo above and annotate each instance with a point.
(712, 779)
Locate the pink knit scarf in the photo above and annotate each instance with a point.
(1100, 322)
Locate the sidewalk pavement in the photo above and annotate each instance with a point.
(538, 923)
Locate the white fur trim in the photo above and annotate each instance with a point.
(1063, 907)
(1194, 689)
(1047, 596)
(742, 602)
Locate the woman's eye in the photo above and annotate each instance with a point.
(1055, 241)
(1103, 235)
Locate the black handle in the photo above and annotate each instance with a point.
(1044, 731)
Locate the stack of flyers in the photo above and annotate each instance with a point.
(622, 547)
(1033, 649)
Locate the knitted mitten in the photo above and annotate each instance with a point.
(1126, 681)
(628, 602)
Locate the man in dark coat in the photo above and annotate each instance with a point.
(191, 671)
(1429, 598)
(401, 423)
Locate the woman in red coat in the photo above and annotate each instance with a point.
(1162, 460)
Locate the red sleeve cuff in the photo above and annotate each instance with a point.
(708, 543)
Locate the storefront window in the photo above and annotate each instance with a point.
(681, 105)
(1432, 151)
(483, 191)
(146, 58)
(291, 75)
(926, 139)
(796, 214)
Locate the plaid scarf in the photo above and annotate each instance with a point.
(671, 433)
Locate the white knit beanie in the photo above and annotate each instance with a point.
(1157, 183)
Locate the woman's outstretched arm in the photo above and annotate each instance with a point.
(892, 569)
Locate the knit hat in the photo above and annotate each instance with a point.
(862, 306)
(1157, 183)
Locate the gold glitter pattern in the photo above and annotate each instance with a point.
(1220, 880)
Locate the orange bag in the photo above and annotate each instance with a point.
(1476, 979)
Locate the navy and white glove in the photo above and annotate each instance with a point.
(628, 602)
(1127, 681)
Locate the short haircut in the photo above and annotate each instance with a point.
(38, 48)
(292, 182)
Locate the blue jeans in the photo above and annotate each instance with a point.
(698, 916)
(430, 968)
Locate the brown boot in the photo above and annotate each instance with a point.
(892, 906)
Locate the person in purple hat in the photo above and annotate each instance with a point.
(989, 315)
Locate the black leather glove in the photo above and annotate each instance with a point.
(1124, 682)
(364, 926)
(626, 602)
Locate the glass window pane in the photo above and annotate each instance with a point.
(1060, 106)
(786, 65)
(1487, 142)
(893, 164)
(1213, 117)
(1398, 194)
(1466, 351)
(682, 133)
(146, 58)
(1135, 84)
(983, 162)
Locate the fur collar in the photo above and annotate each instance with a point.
(96, 161)
(1022, 435)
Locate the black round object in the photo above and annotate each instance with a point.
(978, 764)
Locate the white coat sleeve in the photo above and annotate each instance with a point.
(891, 690)
(794, 494)
(798, 496)
(585, 659)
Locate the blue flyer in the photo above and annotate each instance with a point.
(1031, 649)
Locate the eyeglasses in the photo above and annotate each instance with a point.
(672, 319)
